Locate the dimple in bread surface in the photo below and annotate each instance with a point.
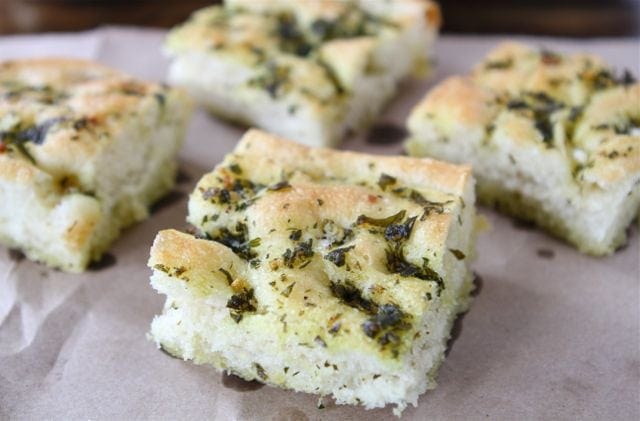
(337, 254)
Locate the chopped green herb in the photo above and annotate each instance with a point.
(332, 76)
(35, 134)
(352, 296)
(550, 57)
(397, 235)
(260, 371)
(291, 38)
(499, 64)
(545, 128)
(258, 52)
(575, 113)
(388, 338)
(605, 79)
(281, 185)
(161, 267)
(627, 78)
(459, 254)
(385, 325)
(43, 93)
(241, 303)
(399, 232)
(318, 340)
(322, 28)
(385, 181)
(419, 199)
(227, 275)
(287, 290)
(396, 263)
(539, 106)
(216, 194)
(624, 127)
(273, 80)
(517, 104)
(389, 315)
(38, 133)
(237, 241)
(300, 255)
(335, 328)
(371, 328)
(81, 123)
(160, 97)
(337, 256)
(383, 222)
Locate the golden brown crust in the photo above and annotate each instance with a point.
(326, 163)
(242, 35)
(458, 100)
(195, 260)
(58, 71)
(14, 170)
(571, 105)
(79, 233)
(616, 159)
(433, 15)
(294, 225)
(65, 112)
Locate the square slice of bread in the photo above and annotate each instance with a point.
(307, 70)
(552, 138)
(333, 273)
(84, 150)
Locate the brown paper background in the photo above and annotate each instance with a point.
(546, 338)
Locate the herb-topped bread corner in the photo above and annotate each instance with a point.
(333, 273)
(84, 150)
(552, 138)
(312, 71)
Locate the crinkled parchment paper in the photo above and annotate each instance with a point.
(552, 334)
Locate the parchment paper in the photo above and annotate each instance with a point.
(552, 334)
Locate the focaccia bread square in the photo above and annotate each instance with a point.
(307, 70)
(84, 150)
(552, 138)
(333, 273)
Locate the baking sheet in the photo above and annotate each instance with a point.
(552, 334)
